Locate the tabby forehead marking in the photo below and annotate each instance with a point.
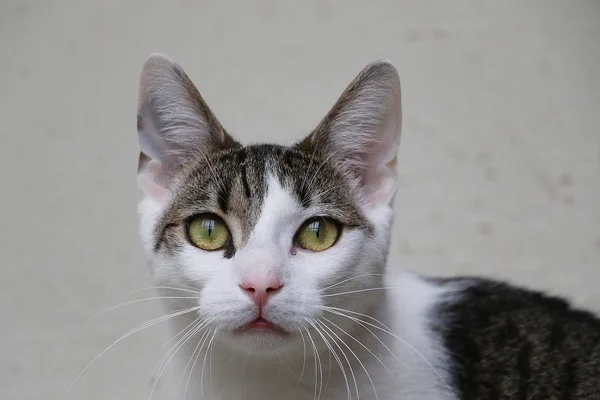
(232, 184)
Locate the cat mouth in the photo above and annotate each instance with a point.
(261, 324)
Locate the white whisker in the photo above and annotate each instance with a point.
(412, 348)
(164, 360)
(182, 342)
(356, 313)
(197, 326)
(190, 360)
(139, 328)
(180, 333)
(319, 369)
(358, 291)
(204, 362)
(346, 280)
(325, 330)
(338, 359)
(188, 289)
(201, 343)
(360, 322)
(303, 358)
(139, 301)
(367, 349)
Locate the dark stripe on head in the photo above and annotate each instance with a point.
(223, 191)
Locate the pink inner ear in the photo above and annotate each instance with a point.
(379, 176)
(150, 179)
(379, 184)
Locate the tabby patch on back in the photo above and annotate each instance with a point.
(273, 261)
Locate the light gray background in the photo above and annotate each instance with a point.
(499, 160)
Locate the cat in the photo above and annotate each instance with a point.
(273, 261)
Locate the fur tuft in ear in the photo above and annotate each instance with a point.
(361, 133)
(152, 179)
(175, 125)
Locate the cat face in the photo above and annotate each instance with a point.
(267, 236)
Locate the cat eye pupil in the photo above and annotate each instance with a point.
(209, 225)
(314, 227)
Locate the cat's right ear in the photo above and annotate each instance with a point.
(175, 126)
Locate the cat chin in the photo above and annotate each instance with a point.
(260, 343)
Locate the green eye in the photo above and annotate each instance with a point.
(318, 234)
(208, 232)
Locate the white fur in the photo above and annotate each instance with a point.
(256, 366)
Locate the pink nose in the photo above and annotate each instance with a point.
(259, 290)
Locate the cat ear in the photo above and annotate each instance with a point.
(175, 126)
(361, 133)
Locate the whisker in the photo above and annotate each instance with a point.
(165, 358)
(232, 358)
(58, 360)
(344, 354)
(364, 347)
(411, 347)
(138, 301)
(303, 358)
(338, 359)
(284, 363)
(180, 333)
(199, 325)
(358, 341)
(204, 362)
(182, 342)
(181, 289)
(319, 369)
(205, 334)
(359, 321)
(349, 279)
(356, 313)
(210, 350)
(202, 341)
(139, 328)
(358, 291)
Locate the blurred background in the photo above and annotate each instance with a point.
(499, 162)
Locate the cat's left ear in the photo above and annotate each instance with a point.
(361, 133)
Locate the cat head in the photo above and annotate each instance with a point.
(267, 237)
